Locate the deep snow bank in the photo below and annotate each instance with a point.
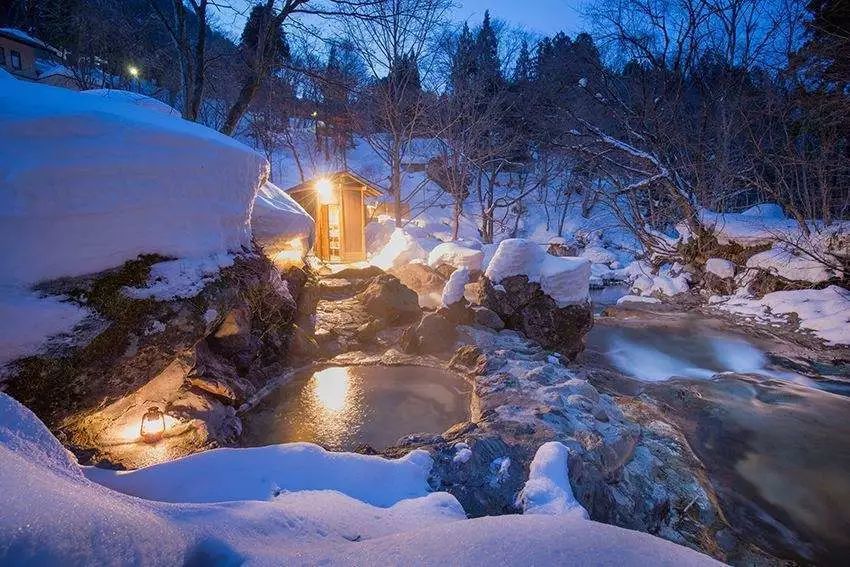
(90, 182)
(53, 515)
(277, 219)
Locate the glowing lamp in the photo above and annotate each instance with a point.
(153, 425)
(133, 70)
(325, 191)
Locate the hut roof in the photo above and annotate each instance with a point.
(345, 177)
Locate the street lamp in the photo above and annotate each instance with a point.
(134, 73)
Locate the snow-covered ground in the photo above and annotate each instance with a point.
(93, 179)
(53, 514)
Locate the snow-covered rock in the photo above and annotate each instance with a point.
(784, 263)
(456, 255)
(26, 319)
(720, 267)
(89, 183)
(453, 292)
(564, 279)
(637, 299)
(402, 248)
(825, 312)
(548, 489)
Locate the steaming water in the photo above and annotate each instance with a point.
(343, 407)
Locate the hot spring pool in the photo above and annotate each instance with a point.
(343, 407)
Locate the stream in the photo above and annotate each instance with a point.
(769, 425)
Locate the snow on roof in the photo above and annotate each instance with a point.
(89, 183)
(25, 38)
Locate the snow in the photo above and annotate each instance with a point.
(27, 319)
(277, 219)
(599, 255)
(402, 248)
(781, 261)
(765, 211)
(720, 267)
(27, 38)
(564, 279)
(181, 278)
(127, 97)
(637, 299)
(454, 288)
(89, 183)
(825, 312)
(548, 490)
(457, 255)
(667, 282)
(258, 473)
(53, 514)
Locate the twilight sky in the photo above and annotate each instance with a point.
(544, 17)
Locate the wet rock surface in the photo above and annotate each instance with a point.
(523, 306)
(194, 359)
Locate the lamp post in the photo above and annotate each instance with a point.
(134, 73)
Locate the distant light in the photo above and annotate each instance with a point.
(325, 191)
(133, 70)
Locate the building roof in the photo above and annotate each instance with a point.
(346, 176)
(23, 37)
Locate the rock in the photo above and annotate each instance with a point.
(467, 356)
(487, 318)
(424, 280)
(434, 333)
(558, 246)
(214, 387)
(523, 306)
(367, 332)
(390, 300)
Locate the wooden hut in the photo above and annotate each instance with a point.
(337, 202)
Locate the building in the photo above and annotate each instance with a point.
(19, 53)
(337, 202)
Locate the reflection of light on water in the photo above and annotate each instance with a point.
(330, 387)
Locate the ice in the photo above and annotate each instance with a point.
(548, 490)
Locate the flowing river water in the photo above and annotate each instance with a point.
(770, 424)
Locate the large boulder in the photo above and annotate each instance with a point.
(433, 334)
(523, 306)
(390, 300)
(545, 297)
(424, 280)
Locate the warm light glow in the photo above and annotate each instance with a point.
(330, 387)
(293, 253)
(153, 425)
(325, 191)
(133, 70)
